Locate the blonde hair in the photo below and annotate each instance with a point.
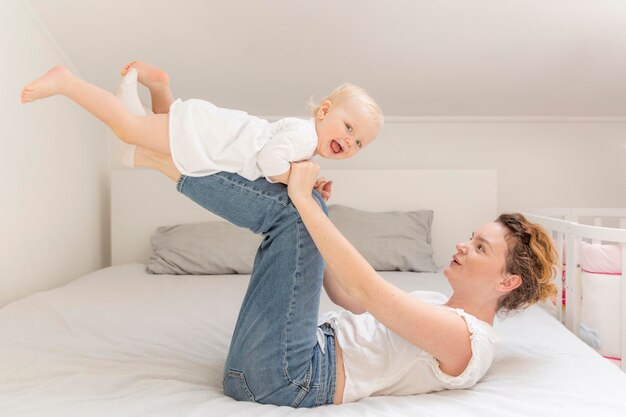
(532, 257)
(346, 91)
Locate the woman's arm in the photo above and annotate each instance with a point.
(440, 332)
(338, 295)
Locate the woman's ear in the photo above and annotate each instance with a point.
(323, 108)
(509, 283)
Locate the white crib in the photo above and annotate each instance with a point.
(569, 227)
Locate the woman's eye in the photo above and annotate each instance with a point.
(480, 247)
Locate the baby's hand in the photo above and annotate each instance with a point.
(324, 187)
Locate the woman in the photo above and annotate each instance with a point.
(404, 344)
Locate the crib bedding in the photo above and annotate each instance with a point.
(122, 342)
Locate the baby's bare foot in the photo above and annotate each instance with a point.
(47, 85)
(151, 77)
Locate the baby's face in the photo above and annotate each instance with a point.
(344, 129)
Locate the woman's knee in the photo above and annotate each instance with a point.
(236, 386)
(289, 217)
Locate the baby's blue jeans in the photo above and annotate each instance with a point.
(274, 356)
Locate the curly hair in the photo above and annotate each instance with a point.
(532, 257)
(347, 90)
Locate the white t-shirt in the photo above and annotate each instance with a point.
(205, 139)
(379, 362)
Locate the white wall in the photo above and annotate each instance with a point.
(54, 206)
(539, 164)
(557, 163)
(541, 161)
(54, 165)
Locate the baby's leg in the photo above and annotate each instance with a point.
(155, 160)
(151, 131)
(128, 95)
(157, 81)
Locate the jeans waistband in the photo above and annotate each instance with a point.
(328, 371)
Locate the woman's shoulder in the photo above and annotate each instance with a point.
(474, 324)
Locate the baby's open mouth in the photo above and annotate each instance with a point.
(335, 146)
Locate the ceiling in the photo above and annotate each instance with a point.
(454, 58)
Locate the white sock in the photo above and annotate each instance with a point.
(129, 96)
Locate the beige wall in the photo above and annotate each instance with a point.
(539, 164)
(54, 162)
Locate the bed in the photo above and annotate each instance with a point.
(123, 342)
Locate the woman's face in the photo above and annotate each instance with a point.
(479, 264)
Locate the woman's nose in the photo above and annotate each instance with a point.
(461, 247)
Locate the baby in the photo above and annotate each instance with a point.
(203, 139)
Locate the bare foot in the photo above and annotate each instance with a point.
(151, 77)
(47, 85)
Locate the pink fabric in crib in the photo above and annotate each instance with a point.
(601, 259)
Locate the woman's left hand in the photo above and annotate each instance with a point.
(302, 180)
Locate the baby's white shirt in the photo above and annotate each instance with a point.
(205, 139)
(379, 362)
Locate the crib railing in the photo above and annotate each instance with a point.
(565, 227)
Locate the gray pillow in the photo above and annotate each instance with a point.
(389, 241)
(209, 248)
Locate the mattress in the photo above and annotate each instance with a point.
(122, 342)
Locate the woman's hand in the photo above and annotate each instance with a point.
(302, 180)
(324, 187)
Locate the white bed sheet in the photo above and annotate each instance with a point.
(121, 342)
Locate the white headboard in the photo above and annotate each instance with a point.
(142, 200)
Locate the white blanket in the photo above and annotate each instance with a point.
(121, 342)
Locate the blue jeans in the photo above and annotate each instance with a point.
(274, 357)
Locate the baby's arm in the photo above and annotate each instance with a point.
(274, 160)
(293, 142)
(283, 178)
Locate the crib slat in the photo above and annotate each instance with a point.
(572, 285)
(597, 221)
(623, 310)
(559, 277)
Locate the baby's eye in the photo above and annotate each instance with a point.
(348, 127)
(358, 143)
